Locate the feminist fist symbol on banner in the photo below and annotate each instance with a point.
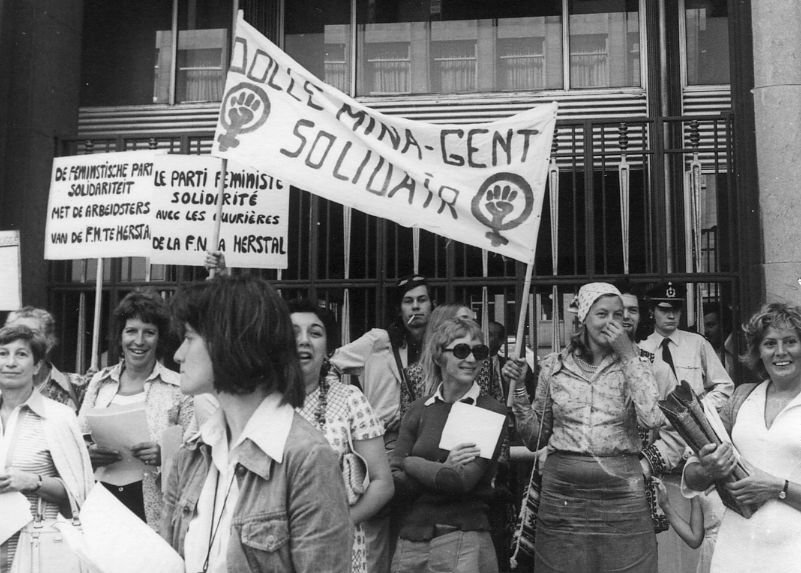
(497, 201)
(246, 107)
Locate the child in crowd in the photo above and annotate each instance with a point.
(706, 512)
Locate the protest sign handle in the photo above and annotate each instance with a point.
(215, 238)
(520, 346)
(98, 310)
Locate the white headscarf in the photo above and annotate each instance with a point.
(591, 292)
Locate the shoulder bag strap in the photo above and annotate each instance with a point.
(404, 378)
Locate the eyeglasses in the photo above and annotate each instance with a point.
(462, 351)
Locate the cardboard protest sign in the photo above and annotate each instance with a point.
(481, 184)
(99, 206)
(254, 224)
(10, 271)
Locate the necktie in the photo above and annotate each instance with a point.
(667, 356)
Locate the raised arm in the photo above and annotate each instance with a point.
(528, 416)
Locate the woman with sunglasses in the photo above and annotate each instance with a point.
(446, 493)
(593, 514)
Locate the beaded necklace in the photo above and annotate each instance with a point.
(585, 366)
(322, 399)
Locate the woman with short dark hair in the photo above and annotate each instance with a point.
(42, 454)
(64, 387)
(346, 419)
(259, 489)
(139, 380)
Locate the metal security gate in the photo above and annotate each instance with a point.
(670, 178)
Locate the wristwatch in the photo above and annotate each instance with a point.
(783, 492)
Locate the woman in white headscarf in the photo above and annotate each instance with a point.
(593, 514)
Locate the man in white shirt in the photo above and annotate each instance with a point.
(681, 355)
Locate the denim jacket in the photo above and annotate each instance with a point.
(290, 516)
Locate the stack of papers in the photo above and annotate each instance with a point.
(119, 429)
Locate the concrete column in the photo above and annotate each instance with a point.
(777, 112)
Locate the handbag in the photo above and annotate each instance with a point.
(525, 529)
(354, 473)
(41, 547)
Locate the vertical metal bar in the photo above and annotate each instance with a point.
(353, 46)
(314, 213)
(589, 223)
(174, 52)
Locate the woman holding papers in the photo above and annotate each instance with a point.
(346, 419)
(764, 422)
(259, 489)
(144, 398)
(593, 514)
(446, 483)
(42, 454)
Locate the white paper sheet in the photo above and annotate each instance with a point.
(15, 510)
(119, 429)
(471, 424)
(171, 439)
(114, 540)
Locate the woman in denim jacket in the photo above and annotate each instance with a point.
(258, 489)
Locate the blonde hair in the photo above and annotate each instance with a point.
(439, 338)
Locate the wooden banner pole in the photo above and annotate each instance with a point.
(520, 345)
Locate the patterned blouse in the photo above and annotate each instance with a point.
(591, 409)
(347, 411)
(64, 387)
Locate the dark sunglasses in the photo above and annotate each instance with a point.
(462, 351)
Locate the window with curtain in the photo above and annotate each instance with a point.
(604, 38)
(202, 53)
(317, 34)
(707, 30)
(429, 46)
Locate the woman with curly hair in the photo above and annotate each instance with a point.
(764, 422)
(139, 380)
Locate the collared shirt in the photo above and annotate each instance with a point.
(64, 387)
(41, 437)
(695, 361)
(470, 397)
(268, 428)
(165, 406)
(593, 413)
(371, 358)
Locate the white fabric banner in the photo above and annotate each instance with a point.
(481, 184)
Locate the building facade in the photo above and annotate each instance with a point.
(655, 154)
